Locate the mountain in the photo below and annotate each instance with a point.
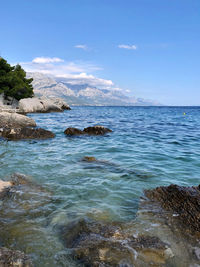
(82, 94)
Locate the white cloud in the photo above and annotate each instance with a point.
(58, 67)
(130, 47)
(84, 78)
(84, 47)
(43, 60)
(71, 72)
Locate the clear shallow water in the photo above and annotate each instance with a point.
(149, 147)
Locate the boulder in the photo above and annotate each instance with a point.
(182, 202)
(26, 133)
(13, 258)
(42, 105)
(94, 130)
(61, 103)
(73, 131)
(98, 244)
(14, 120)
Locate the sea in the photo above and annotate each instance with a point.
(149, 147)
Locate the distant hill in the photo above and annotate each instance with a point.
(82, 94)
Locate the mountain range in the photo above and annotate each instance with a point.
(82, 93)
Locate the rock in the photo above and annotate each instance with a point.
(94, 130)
(61, 103)
(26, 133)
(13, 120)
(182, 201)
(99, 244)
(89, 159)
(8, 101)
(196, 251)
(4, 188)
(97, 130)
(13, 258)
(20, 179)
(4, 185)
(73, 131)
(42, 105)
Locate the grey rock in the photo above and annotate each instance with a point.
(42, 105)
(14, 120)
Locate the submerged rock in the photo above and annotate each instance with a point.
(20, 179)
(14, 120)
(89, 159)
(42, 105)
(183, 202)
(94, 130)
(13, 258)
(26, 133)
(99, 244)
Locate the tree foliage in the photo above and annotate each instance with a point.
(13, 81)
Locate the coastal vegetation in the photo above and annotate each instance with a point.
(13, 81)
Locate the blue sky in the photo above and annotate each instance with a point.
(149, 48)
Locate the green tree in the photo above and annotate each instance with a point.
(13, 81)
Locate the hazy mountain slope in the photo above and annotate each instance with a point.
(81, 94)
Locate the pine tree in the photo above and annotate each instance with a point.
(13, 81)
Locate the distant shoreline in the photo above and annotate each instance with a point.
(161, 106)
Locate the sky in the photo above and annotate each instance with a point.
(147, 48)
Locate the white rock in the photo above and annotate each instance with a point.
(40, 105)
(15, 120)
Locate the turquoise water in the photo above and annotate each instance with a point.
(149, 147)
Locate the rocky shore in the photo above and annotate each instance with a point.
(32, 105)
(15, 126)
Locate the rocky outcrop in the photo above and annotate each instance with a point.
(99, 244)
(26, 133)
(94, 130)
(183, 202)
(13, 258)
(8, 120)
(42, 105)
(15, 126)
